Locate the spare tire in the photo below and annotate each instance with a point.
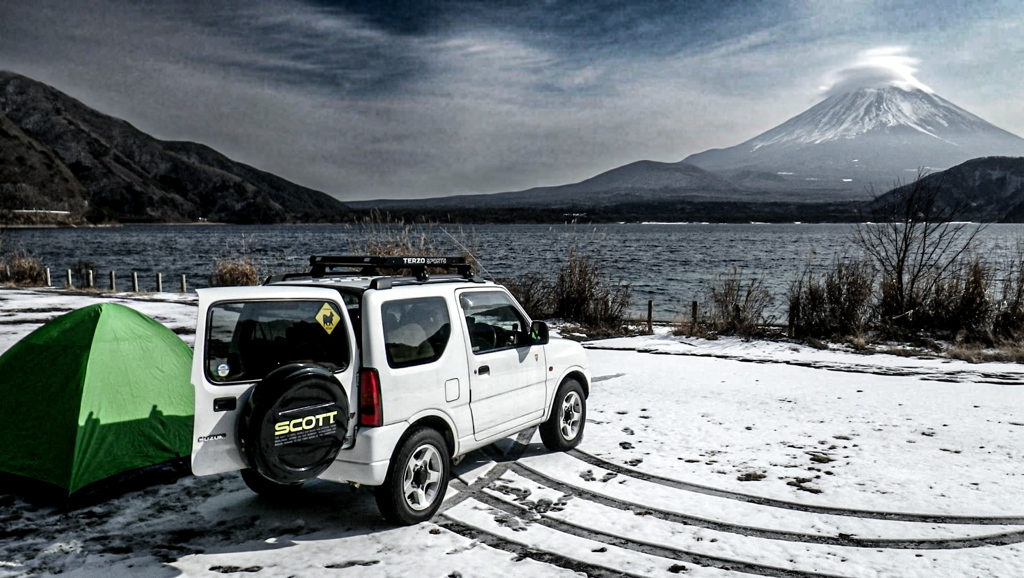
(294, 423)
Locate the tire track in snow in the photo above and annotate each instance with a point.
(795, 506)
(500, 543)
(504, 462)
(1002, 539)
(679, 555)
(508, 461)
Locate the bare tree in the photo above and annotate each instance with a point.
(915, 242)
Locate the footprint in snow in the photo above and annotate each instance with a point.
(626, 445)
(627, 431)
(588, 476)
(511, 522)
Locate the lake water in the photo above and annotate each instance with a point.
(667, 263)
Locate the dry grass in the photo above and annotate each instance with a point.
(959, 304)
(834, 304)
(584, 294)
(1007, 352)
(534, 292)
(736, 306)
(383, 235)
(1008, 321)
(18, 267)
(235, 272)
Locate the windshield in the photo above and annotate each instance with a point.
(247, 340)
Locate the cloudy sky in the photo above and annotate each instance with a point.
(387, 99)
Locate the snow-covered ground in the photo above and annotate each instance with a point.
(25, 310)
(703, 458)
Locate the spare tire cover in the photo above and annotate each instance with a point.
(294, 423)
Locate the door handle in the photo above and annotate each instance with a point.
(484, 370)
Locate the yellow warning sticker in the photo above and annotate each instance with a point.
(327, 317)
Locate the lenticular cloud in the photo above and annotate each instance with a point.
(876, 68)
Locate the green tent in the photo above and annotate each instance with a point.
(93, 397)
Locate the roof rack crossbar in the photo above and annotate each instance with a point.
(373, 264)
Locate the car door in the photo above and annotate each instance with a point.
(244, 333)
(507, 378)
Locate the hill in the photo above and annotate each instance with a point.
(56, 153)
(639, 182)
(988, 189)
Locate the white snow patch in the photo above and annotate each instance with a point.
(870, 432)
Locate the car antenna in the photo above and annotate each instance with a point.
(468, 252)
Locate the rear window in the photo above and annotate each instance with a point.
(245, 341)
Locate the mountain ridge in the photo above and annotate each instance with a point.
(989, 189)
(116, 173)
(634, 182)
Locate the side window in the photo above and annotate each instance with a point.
(493, 320)
(416, 331)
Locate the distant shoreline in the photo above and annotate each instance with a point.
(104, 225)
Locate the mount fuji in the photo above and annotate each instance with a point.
(859, 141)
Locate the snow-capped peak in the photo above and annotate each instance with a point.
(848, 115)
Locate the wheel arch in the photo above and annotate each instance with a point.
(439, 422)
(576, 373)
(579, 376)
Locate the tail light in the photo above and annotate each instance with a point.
(371, 410)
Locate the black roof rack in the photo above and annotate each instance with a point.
(373, 265)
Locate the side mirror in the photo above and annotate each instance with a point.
(539, 333)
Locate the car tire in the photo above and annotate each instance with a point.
(417, 478)
(269, 489)
(563, 429)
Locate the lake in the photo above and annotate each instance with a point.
(669, 263)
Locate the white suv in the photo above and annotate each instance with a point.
(374, 379)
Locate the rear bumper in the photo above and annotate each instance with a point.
(367, 461)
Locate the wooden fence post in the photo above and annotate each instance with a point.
(184, 287)
(89, 280)
(650, 316)
(135, 282)
(794, 312)
(48, 284)
(70, 284)
(693, 319)
(159, 282)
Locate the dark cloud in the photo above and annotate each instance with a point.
(369, 99)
